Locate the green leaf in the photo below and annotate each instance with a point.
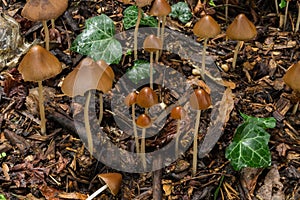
(139, 71)
(181, 11)
(282, 4)
(2, 197)
(269, 122)
(97, 40)
(249, 147)
(131, 15)
(212, 3)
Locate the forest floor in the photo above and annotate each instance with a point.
(58, 166)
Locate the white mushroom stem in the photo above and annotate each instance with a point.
(136, 138)
(97, 192)
(203, 59)
(158, 35)
(236, 52)
(143, 148)
(100, 108)
(87, 123)
(162, 32)
(298, 19)
(42, 108)
(136, 29)
(226, 11)
(177, 138)
(46, 30)
(195, 145)
(151, 70)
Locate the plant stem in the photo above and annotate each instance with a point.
(151, 70)
(203, 59)
(177, 138)
(226, 11)
(42, 108)
(285, 15)
(162, 33)
(100, 108)
(298, 18)
(195, 145)
(136, 138)
(236, 51)
(136, 29)
(276, 6)
(87, 123)
(158, 35)
(97, 192)
(46, 30)
(53, 23)
(143, 147)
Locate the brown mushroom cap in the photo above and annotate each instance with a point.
(39, 64)
(152, 43)
(160, 8)
(146, 98)
(200, 100)
(143, 121)
(86, 76)
(206, 27)
(241, 29)
(178, 112)
(142, 3)
(292, 77)
(130, 99)
(39, 10)
(113, 181)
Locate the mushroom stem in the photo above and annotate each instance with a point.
(236, 51)
(87, 123)
(136, 138)
(151, 70)
(285, 14)
(42, 108)
(203, 59)
(53, 23)
(136, 32)
(100, 108)
(226, 11)
(46, 30)
(162, 33)
(276, 6)
(143, 148)
(295, 108)
(97, 192)
(298, 19)
(158, 35)
(195, 145)
(177, 138)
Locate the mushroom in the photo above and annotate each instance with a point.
(291, 78)
(152, 44)
(143, 121)
(130, 100)
(146, 98)
(44, 10)
(177, 113)
(205, 28)
(199, 100)
(86, 76)
(241, 29)
(112, 182)
(38, 65)
(160, 9)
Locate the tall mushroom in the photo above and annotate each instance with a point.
(43, 10)
(241, 29)
(205, 28)
(86, 76)
(152, 44)
(177, 113)
(199, 100)
(38, 65)
(292, 79)
(112, 182)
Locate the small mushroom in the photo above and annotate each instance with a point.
(177, 113)
(146, 98)
(152, 44)
(130, 100)
(291, 78)
(199, 100)
(38, 65)
(241, 29)
(44, 10)
(205, 28)
(112, 182)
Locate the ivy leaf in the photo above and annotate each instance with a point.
(269, 122)
(181, 11)
(131, 15)
(249, 148)
(282, 4)
(212, 3)
(139, 71)
(97, 40)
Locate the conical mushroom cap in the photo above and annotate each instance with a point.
(292, 77)
(241, 29)
(39, 10)
(146, 98)
(39, 64)
(178, 112)
(113, 181)
(143, 121)
(206, 27)
(86, 76)
(142, 3)
(160, 8)
(152, 43)
(200, 100)
(130, 99)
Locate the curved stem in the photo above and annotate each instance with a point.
(87, 123)
(203, 59)
(46, 30)
(143, 147)
(195, 145)
(285, 15)
(100, 108)
(151, 70)
(42, 108)
(136, 138)
(97, 192)
(236, 51)
(177, 138)
(136, 29)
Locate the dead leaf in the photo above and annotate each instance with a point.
(249, 178)
(167, 189)
(282, 148)
(72, 195)
(5, 170)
